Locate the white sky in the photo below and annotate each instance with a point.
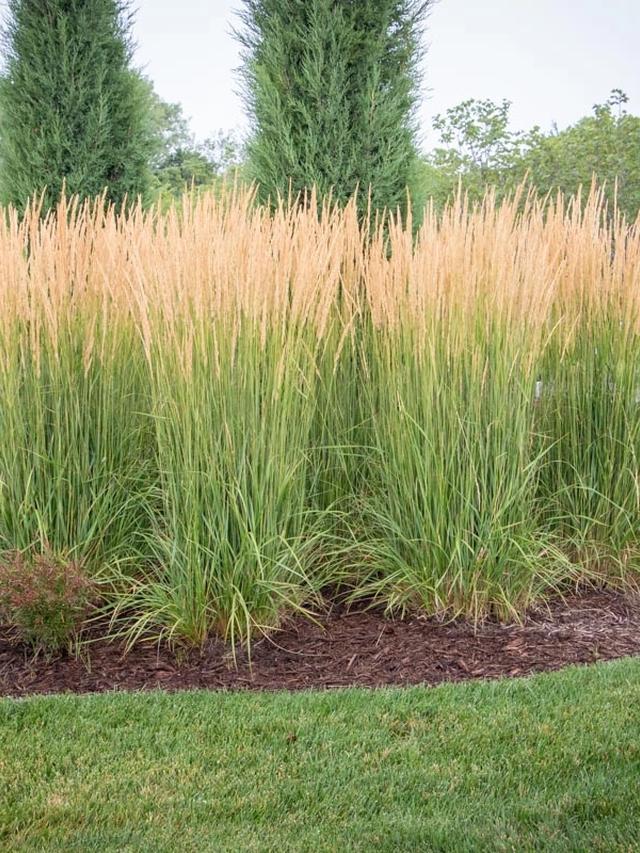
(553, 58)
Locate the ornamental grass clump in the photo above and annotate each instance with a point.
(588, 418)
(220, 411)
(454, 334)
(234, 307)
(74, 439)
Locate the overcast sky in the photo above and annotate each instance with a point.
(553, 58)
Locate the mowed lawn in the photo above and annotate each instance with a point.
(551, 762)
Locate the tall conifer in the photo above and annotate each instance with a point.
(331, 87)
(73, 111)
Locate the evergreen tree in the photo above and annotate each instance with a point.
(331, 87)
(73, 112)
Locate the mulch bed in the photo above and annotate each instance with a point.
(349, 649)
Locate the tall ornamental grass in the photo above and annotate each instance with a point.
(234, 307)
(455, 332)
(588, 416)
(74, 449)
(221, 411)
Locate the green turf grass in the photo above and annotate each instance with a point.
(548, 763)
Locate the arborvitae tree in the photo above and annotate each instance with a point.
(73, 112)
(331, 87)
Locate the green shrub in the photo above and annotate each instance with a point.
(46, 597)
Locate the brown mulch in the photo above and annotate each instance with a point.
(349, 649)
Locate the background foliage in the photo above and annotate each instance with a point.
(479, 149)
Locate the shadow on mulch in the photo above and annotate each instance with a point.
(349, 649)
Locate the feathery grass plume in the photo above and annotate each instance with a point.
(589, 412)
(456, 326)
(220, 409)
(233, 305)
(72, 440)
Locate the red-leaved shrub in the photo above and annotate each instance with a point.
(45, 597)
